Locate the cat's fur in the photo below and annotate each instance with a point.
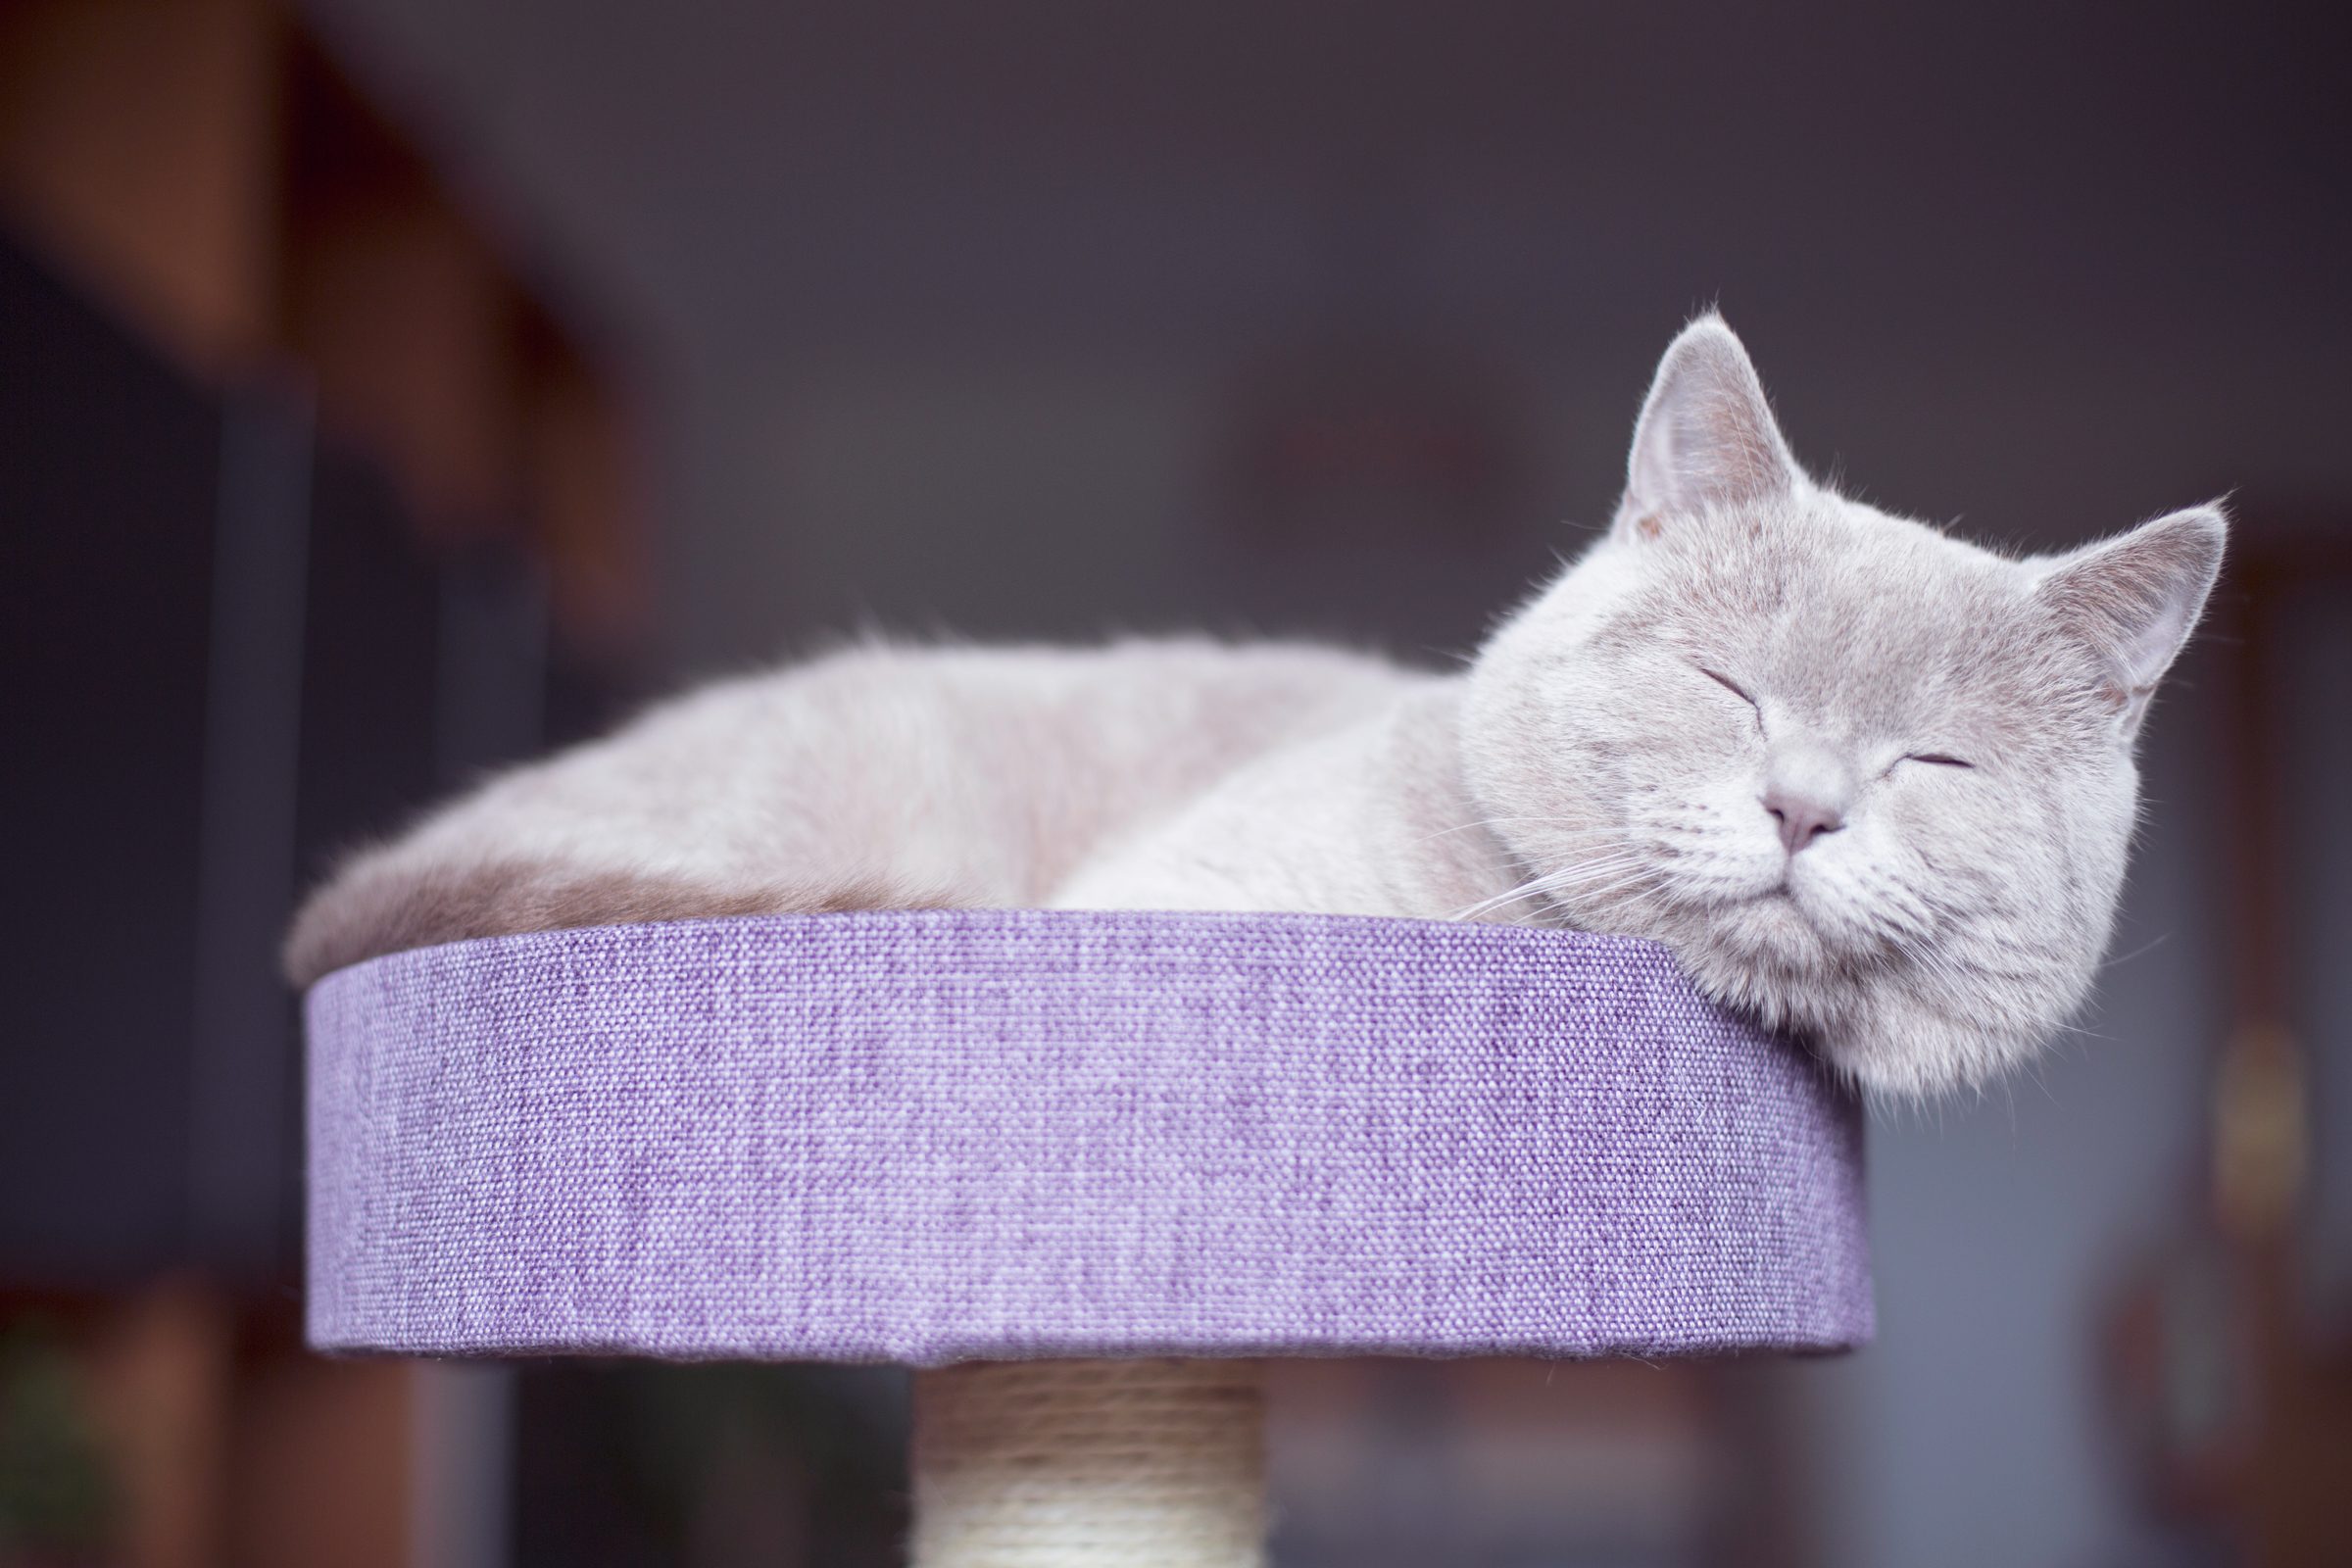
(1869, 783)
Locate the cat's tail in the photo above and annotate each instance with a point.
(379, 904)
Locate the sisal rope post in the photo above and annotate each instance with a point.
(1090, 1464)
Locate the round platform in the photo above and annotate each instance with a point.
(931, 1136)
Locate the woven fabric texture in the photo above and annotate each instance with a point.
(928, 1136)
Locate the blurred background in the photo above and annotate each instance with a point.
(392, 388)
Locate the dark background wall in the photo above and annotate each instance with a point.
(985, 278)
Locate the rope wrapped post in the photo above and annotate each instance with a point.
(1149, 1463)
(1080, 1170)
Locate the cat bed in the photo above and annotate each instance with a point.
(940, 1135)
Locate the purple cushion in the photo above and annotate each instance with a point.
(928, 1136)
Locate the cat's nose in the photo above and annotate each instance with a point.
(1803, 814)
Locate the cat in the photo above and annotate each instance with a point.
(1873, 786)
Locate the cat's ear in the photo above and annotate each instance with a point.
(1706, 435)
(2136, 597)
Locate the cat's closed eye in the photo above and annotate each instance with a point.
(1736, 689)
(1936, 758)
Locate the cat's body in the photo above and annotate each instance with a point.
(1869, 783)
(880, 774)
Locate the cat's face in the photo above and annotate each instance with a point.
(1869, 783)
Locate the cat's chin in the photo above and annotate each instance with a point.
(1908, 1051)
(1761, 954)
(1764, 959)
(1867, 1030)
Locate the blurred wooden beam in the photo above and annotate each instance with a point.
(583, 498)
(324, 1464)
(139, 145)
(2289, 1470)
(209, 172)
(157, 1365)
(400, 307)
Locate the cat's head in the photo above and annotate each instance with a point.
(1871, 783)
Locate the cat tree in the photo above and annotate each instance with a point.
(1082, 1169)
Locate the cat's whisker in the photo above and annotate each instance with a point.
(1484, 907)
(1585, 836)
(1631, 884)
(1557, 883)
(1526, 889)
(2142, 951)
(1586, 875)
(1587, 882)
(1548, 882)
(1575, 869)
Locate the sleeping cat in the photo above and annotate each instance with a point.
(1871, 784)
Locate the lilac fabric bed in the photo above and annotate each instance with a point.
(929, 1136)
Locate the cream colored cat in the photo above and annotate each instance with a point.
(1868, 783)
